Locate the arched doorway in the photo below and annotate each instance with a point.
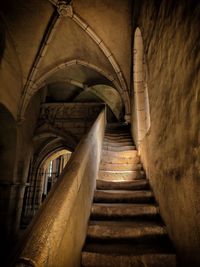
(51, 168)
(42, 177)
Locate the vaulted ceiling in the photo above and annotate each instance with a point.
(67, 49)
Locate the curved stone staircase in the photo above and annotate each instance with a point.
(125, 228)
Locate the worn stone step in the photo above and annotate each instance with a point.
(141, 184)
(118, 129)
(116, 126)
(127, 130)
(119, 254)
(119, 154)
(118, 144)
(123, 211)
(123, 196)
(137, 231)
(94, 259)
(121, 175)
(117, 133)
(117, 136)
(120, 166)
(118, 139)
(121, 148)
(127, 247)
(118, 160)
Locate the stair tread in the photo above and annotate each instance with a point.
(122, 205)
(128, 223)
(120, 160)
(128, 247)
(120, 171)
(125, 192)
(121, 176)
(141, 181)
(118, 139)
(124, 143)
(118, 149)
(137, 231)
(136, 184)
(120, 166)
(123, 211)
(123, 196)
(125, 153)
(149, 259)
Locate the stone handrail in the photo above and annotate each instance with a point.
(57, 233)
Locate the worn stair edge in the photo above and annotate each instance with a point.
(120, 166)
(118, 140)
(143, 231)
(126, 153)
(116, 196)
(123, 210)
(120, 160)
(92, 259)
(121, 148)
(120, 176)
(118, 144)
(123, 185)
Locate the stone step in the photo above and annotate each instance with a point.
(121, 175)
(119, 154)
(117, 135)
(119, 166)
(123, 211)
(137, 231)
(118, 144)
(116, 126)
(141, 184)
(123, 196)
(118, 149)
(118, 129)
(94, 259)
(119, 254)
(118, 139)
(118, 160)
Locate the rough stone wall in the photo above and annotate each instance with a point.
(171, 151)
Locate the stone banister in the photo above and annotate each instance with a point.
(57, 233)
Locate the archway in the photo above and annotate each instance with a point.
(42, 176)
(51, 168)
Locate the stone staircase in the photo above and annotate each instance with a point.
(125, 228)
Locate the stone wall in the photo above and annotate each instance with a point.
(171, 150)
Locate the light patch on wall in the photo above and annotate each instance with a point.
(141, 98)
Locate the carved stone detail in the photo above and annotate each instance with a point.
(64, 9)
